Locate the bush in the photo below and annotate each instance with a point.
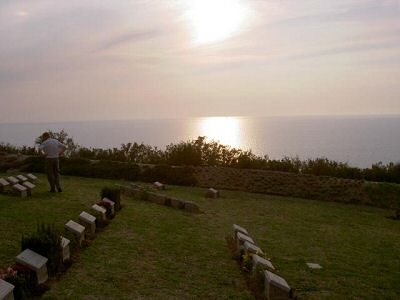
(114, 194)
(23, 280)
(46, 242)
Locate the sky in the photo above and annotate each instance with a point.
(106, 60)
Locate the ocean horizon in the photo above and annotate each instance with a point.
(358, 140)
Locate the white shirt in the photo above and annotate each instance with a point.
(52, 148)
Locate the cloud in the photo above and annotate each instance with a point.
(130, 37)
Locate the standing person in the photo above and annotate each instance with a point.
(52, 149)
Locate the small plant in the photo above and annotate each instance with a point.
(46, 242)
(23, 280)
(114, 194)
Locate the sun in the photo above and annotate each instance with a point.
(215, 20)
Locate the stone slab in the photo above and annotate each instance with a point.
(212, 193)
(28, 185)
(191, 207)
(12, 180)
(112, 203)
(251, 248)
(35, 262)
(65, 249)
(89, 222)
(21, 190)
(4, 182)
(260, 262)
(31, 177)
(21, 178)
(276, 287)
(237, 228)
(159, 185)
(77, 229)
(6, 290)
(314, 266)
(99, 211)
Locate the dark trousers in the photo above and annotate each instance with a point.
(53, 173)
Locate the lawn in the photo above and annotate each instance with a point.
(154, 252)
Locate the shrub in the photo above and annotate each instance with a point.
(23, 280)
(46, 242)
(114, 194)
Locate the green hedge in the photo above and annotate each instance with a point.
(116, 170)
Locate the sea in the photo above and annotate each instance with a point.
(358, 140)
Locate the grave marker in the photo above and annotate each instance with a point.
(35, 262)
(77, 229)
(3, 184)
(212, 193)
(32, 178)
(6, 290)
(314, 266)
(112, 204)
(260, 262)
(89, 222)
(29, 186)
(237, 228)
(100, 212)
(65, 253)
(21, 178)
(251, 248)
(276, 287)
(241, 239)
(12, 180)
(159, 185)
(20, 190)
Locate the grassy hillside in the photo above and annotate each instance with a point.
(150, 251)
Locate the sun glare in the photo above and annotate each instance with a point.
(215, 20)
(226, 130)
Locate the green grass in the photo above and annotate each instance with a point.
(154, 252)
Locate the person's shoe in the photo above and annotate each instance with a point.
(52, 191)
(59, 190)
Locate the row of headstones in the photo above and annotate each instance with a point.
(275, 287)
(210, 193)
(21, 185)
(38, 263)
(138, 191)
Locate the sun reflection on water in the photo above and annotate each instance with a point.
(226, 130)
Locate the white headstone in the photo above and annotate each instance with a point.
(77, 229)
(276, 287)
(22, 178)
(260, 262)
(21, 190)
(112, 203)
(31, 177)
(12, 180)
(212, 193)
(89, 222)
(251, 248)
(35, 262)
(100, 212)
(159, 185)
(237, 228)
(65, 249)
(314, 266)
(6, 290)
